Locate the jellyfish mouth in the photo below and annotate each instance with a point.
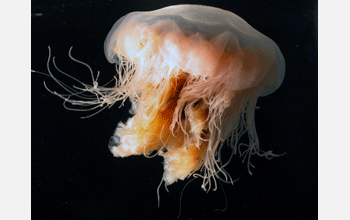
(163, 122)
(182, 139)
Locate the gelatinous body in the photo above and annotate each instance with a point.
(193, 75)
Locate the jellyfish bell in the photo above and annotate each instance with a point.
(200, 40)
(193, 75)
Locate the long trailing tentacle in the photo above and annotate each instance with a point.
(90, 97)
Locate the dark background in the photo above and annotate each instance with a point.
(75, 176)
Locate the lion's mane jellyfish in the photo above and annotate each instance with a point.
(193, 75)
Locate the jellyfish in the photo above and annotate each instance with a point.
(193, 75)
